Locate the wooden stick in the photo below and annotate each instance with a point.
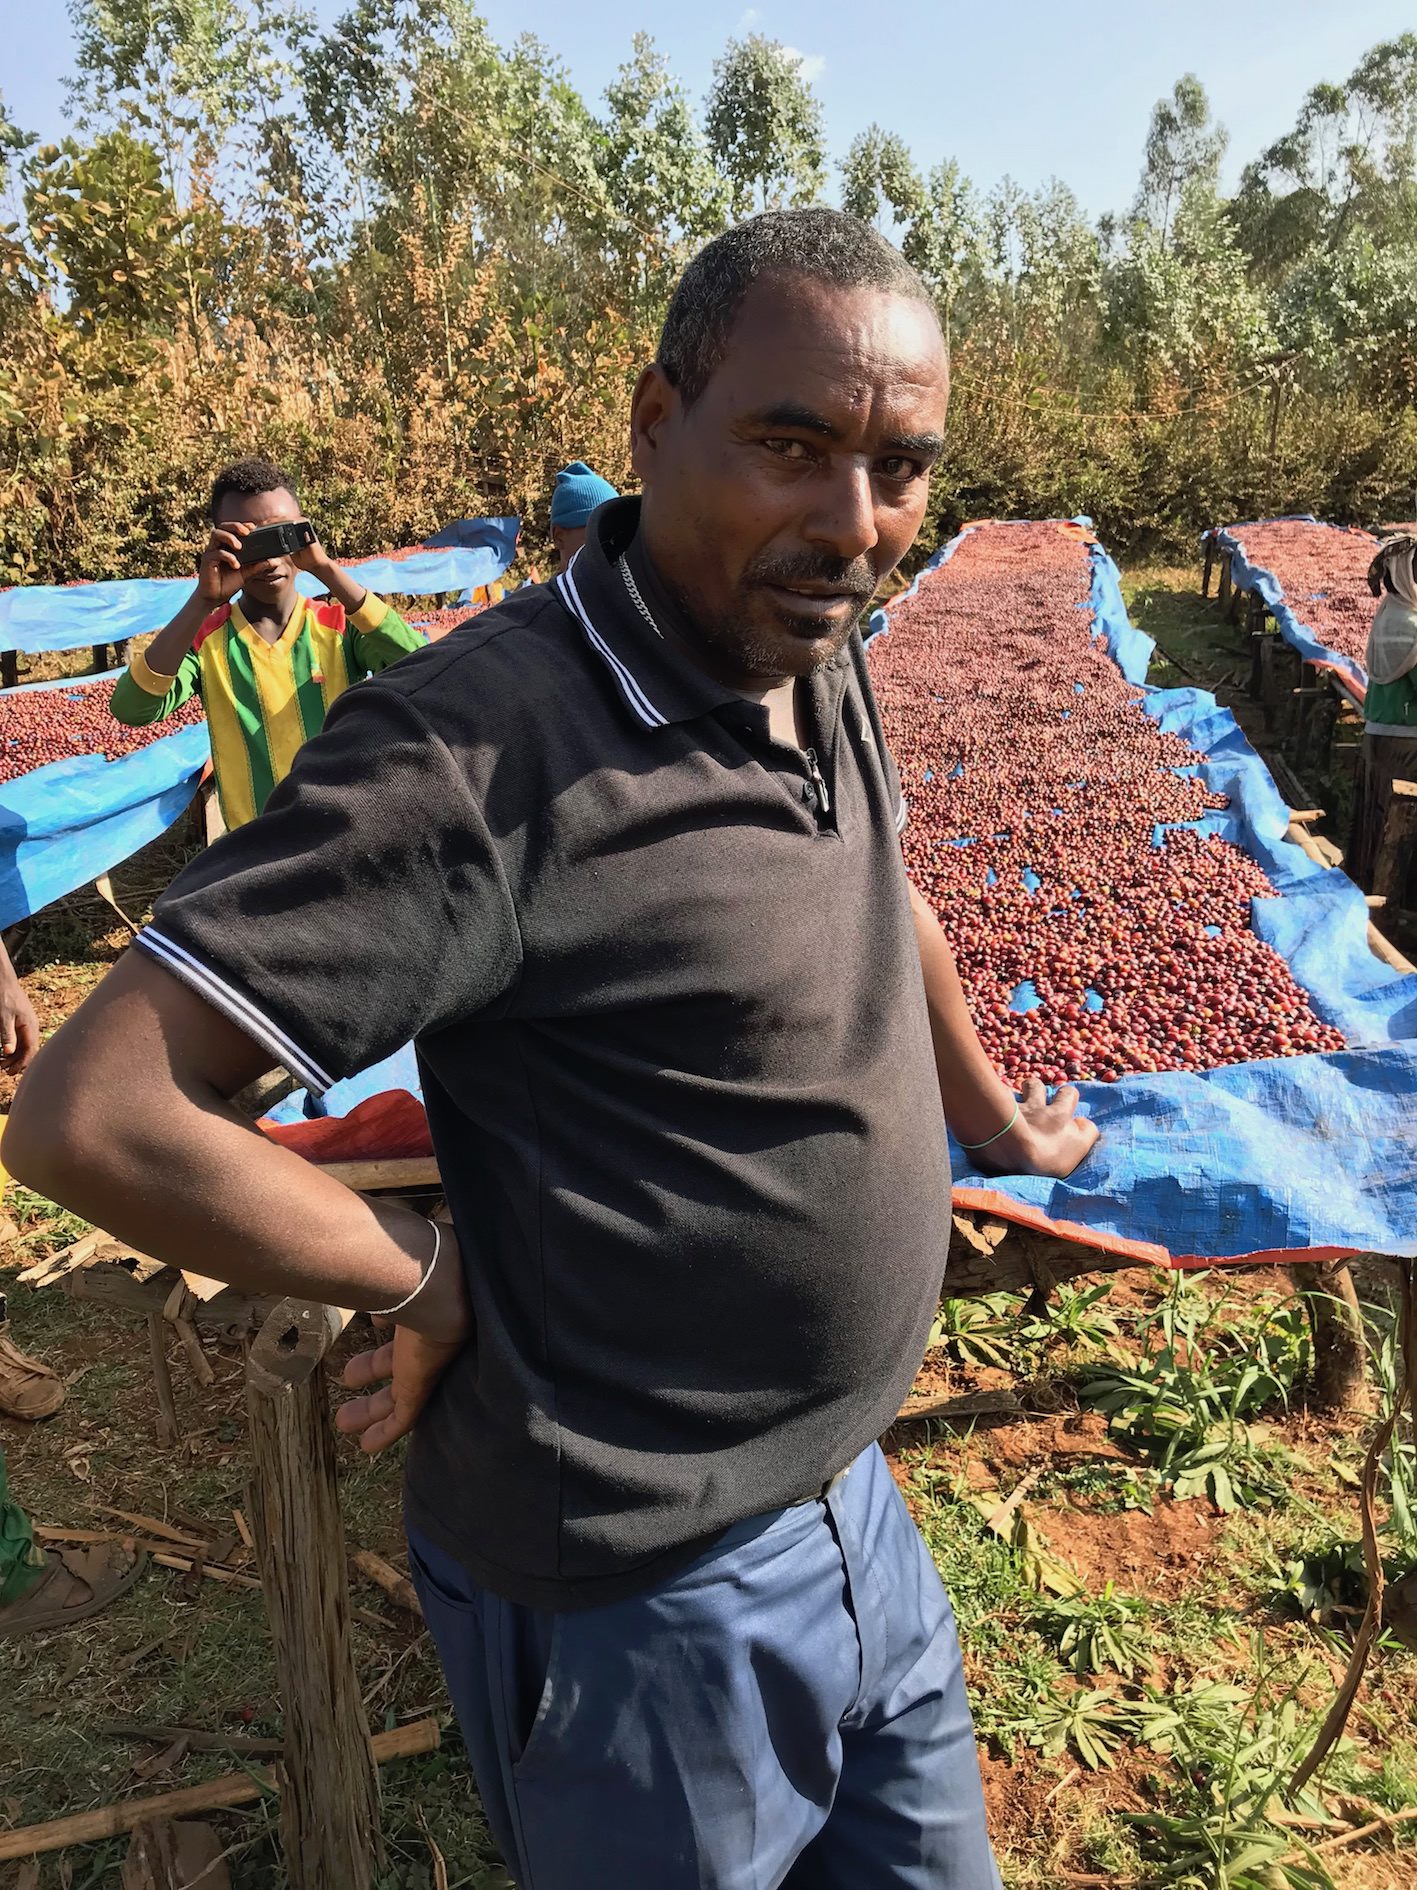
(196, 1357)
(240, 1743)
(151, 1526)
(397, 1587)
(219, 1794)
(329, 1814)
(210, 1569)
(1346, 1838)
(168, 1429)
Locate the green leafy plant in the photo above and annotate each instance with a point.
(1093, 1632)
(1091, 1722)
(1076, 1316)
(978, 1331)
(1236, 1750)
(1186, 1400)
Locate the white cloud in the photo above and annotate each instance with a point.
(749, 23)
(810, 65)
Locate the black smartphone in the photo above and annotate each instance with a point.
(276, 541)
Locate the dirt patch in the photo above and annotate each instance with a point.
(1158, 1555)
(1041, 1810)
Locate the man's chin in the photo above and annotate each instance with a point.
(791, 646)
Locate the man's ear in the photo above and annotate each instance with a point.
(655, 406)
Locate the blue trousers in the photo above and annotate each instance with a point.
(788, 1711)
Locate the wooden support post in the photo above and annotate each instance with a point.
(329, 1808)
(99, 652)
(9, 668)
(168, 1430)
(1336, 1321)
(213, 826)
(1397, 844)
(1222, 589)
(1269, 681)
(1209, 564)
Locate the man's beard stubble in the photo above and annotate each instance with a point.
(754, 656)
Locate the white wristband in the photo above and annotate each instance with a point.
(427, 1276)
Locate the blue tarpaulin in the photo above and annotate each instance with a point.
(1294, 1154)
(63, 825)
(39, 617)
(1254, 577)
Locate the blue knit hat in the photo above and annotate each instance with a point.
(578, 492)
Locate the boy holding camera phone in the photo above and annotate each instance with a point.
(267, 662)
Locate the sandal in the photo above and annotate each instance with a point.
(106, 1571)
(28, 1389)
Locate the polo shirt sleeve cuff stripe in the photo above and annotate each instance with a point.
(240, 1010)
(151, 681)
(902, 815)
(371, 613)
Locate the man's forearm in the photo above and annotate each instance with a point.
(167, 649)
(107, 1124)
(340, 585)
(977, 1101)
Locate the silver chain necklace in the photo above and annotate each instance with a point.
(639, 603)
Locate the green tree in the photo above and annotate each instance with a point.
(764, 125)
(656, 169)
(1183, 153)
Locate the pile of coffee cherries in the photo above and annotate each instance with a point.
(1037, 786)
(1323, 572)
(435, 624)
(38, 726)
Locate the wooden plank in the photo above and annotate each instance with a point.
(412, 1171)
(329, 1814)
(231, 1312)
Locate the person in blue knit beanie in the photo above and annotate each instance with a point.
(578, 492)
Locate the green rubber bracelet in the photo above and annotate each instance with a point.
(997, 1136)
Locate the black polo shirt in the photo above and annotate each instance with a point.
(662, 976)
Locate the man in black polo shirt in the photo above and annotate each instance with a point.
(625, 867)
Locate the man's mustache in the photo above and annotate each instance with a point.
(854, 576)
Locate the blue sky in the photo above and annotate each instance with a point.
(1032, 89)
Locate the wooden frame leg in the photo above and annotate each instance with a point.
(1397, 844)
(1336, 1320)
(329, 1807)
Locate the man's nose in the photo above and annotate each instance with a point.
(843, 514)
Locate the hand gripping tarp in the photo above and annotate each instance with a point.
(1299, 1157)
(63, 825)
(39, 617)
(1254, 577)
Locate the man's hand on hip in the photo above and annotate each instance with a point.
(406, 1368)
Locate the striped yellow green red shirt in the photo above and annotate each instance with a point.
(263, 700)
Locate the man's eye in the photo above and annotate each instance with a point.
(789, 449)
(898, 466)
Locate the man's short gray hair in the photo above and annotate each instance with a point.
(820, 245)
